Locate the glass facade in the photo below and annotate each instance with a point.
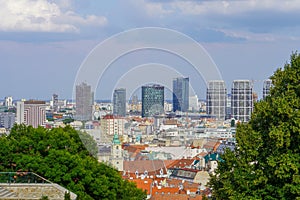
(216, 97)
(152, 100)
(181, 94)
(119, 102)
(241, 100)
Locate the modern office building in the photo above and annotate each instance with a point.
(32, 112)
(119, 102)
(216, 97)
(266, 87)
(242, 99)
(180, 94)
(84, 102)
(152, 100)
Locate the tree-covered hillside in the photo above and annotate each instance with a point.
(266, 163)
(59, 155)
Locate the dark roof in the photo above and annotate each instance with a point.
(225, 145)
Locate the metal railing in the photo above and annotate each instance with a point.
(22, 177)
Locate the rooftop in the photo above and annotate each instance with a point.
(29, 186)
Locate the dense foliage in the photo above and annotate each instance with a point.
(60, 156)
(266, 162)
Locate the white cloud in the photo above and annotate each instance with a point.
(43, 16)
(156, 9)
(256, 37)
(152, 9)
(190, 7)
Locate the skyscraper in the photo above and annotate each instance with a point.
(266, 87)
(152, 100)
(181, 94)
(55, 102)
(119, 102)
(242, 100)
(216, 97)
(84, 102)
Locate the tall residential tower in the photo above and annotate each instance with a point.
(216, 97)
(242, 99)
(119, 102)
(84, 102)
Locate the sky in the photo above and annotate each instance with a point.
(44, 43)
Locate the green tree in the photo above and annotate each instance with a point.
(60, 156)
(266, 162)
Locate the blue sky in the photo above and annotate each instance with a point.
(44, 42)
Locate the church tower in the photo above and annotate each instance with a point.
(117, 153)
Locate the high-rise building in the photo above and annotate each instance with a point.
(119, 102)
(181, 94)
(20, 112)
(84, 102)
(242, 100)
(134, 104)
(266, 87)
(8, 101)
(216, 97)
(55, 102)
(31, 112)
(193, 103)
(228, 106)
(152, 100)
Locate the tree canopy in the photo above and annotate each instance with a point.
(60, 156)
(266, 162)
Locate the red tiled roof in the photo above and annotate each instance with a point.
(210, 145)
(182, 163)
(153, 167)
(171, 191)
(175, 197)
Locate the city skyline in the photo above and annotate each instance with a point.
(243, 38)
(265, 86)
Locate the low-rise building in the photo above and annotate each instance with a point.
(111, 125)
